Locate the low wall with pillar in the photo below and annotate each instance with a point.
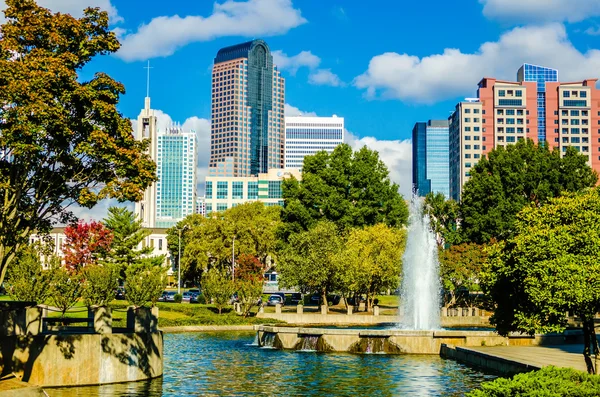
(57, 355)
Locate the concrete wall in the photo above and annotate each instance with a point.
(485, 361)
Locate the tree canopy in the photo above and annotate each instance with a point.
(346, 188)
(549, 267)
(62, 139)
(444, 218)
(510, 178)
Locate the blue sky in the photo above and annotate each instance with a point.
(383, 65)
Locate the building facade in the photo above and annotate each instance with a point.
(540, 75)
(176, 172)
(147, 129)
(509, 112)
(248, 97)
(305, 136)
(431, 171)
(223, 193)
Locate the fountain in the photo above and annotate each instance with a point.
(420, 292)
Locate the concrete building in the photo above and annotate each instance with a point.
(176, 172)
(248, 97)
(431, 157)
(227, 192)
(147, 129)
(201, 205)
(508, 112)
(305, 136)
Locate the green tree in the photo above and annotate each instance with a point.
(128, 234)
(218, 287)
(27, 279)
(63, 140)
(99, 284)
(511, 178)
(460, 269)
(549, 267)
(145, 282)
(373, 260)
(346, 188)
(444, 218)
(65, 288)
(313, 260)
(209, 241)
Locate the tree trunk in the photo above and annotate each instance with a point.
(324, 299)
(220, 308)
(590, 344)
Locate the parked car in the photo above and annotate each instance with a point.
(332, 300)
(275, 299)
(195, 297)
(120, 294)
(170, 297)
(186, 296)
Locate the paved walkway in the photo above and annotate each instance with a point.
(570, 356)
(12, 387)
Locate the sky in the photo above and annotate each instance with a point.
(383, 65)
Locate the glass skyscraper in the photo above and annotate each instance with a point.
(541, 75)
(431, 152)
(248, 96)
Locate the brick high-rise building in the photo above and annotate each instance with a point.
(510, 111)
(248, 97)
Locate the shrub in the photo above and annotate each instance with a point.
(65, 289)
(100, 283)
(177, 298)
(547, 382)
(144, 282)
(27, 280)
(217, 287)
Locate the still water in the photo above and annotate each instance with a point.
(226, 364)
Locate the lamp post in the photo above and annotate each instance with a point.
(179, 261)
(233, 259)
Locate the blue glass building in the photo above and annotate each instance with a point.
(419, 159)
(540, 75)
(431, 163)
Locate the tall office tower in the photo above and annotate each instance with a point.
(146, 129)
(509, 113)
(419, 159)
(305, 136)
(248, 96)
(176, 172)
(540, 75)
(431, 171)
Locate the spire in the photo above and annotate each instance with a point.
(147, 101)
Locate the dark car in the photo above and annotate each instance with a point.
(120, 294)
(296, 298)
(195, 297)
(186, 296)
(275, 299)
(332, 300)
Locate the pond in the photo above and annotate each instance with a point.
(227, 364)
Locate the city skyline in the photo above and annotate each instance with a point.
(381, 89)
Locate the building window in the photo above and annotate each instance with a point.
(208, 208)
(209, 190)
(510, 102)
(221, 207)
(566, 94)
(252, 191)
(501, 93)
(582, 94)
(160, 244)
(237, 190)
(575, 103)
(222, 190)
(519, 93)
(274, 189)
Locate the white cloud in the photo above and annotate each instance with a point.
(163, 35)
(74, 7)
(325, 77)
(397, 156)
(293, 63)
(454, 73)
(541, 10)
(292, 111)
(593, 31)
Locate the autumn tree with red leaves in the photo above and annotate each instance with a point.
(248, 281)
(85, 244)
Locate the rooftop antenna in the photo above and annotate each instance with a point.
(148, 85)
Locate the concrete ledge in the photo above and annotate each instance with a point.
(485, 361)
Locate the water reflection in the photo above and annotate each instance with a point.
(226, 364)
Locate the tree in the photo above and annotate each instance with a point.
(209, 241)
(549, 267)
(99, 284)
(145, 282)
(27, 279)
(62, 139)
(65, 289)
(374, 260)
(218, 287)
(312, 261)
(460, 268)
(346, 188)
(443, 217)
(85, 244)
(248, 282)
(511, 178)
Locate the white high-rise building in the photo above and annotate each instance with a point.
(305, 136)
(146, 129)
(176, 172)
